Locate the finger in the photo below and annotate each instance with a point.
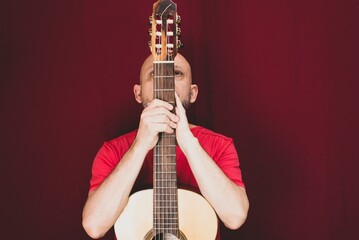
(159, 103)
(179, 107)
(160, 111)
(162, 119)
(162, 127)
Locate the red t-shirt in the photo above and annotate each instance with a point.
(220, 148)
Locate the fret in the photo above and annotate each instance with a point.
(165, 163)
(166, 145)
(164, 213)
(159, 207)
(160, 214)
(166, 194)
(170, 179)
(162, 176)
(162, 197)
(163, 76)
(169, 228)
(168, 136)
(164, 90)
(164, 155)
(164, 172)
(172, 221)
(166, 201)
(161, 223)
(172, 195)
(171, 188)
(162, 194)
(162, 187)
(164, 180)
(168, 224)
(163, 62)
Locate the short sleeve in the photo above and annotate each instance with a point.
(104, 163)
(227, 159)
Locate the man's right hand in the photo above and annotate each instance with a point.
(155, 118)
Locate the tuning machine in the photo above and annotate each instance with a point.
(178, 20)
(150, 19)
(179, 44)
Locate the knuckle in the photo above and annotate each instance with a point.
(156, 101)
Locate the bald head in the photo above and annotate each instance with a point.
(183, 82)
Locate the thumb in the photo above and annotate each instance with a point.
(179, 107)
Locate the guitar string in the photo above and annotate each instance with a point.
(156, 166)
(168, 191)
(171, 189)
(167, 182)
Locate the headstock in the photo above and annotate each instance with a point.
(164, 31)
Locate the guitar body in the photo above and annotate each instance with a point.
(197, 219)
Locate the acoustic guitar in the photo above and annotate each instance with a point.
(165, 212)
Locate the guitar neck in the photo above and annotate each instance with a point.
(164, 81)
(165, 199)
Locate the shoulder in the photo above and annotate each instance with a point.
(125, 139)
(204, 133)
(118, 146)
(215, 144)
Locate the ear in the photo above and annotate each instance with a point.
(137, 93)
(194, 93)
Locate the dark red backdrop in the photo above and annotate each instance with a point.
(278, 76)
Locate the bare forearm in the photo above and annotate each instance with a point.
(229, 200)
(106, 203)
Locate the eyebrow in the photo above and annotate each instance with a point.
(179, 67)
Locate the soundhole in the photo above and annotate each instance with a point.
(164, 236)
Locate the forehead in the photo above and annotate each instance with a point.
(180, 63)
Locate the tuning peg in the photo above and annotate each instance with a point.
(150, 20)
(150, 45)
(179, 44)
(178, 31)
(150, 32)
(178, 20)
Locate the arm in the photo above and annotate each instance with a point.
(229, 200)
(105, 204)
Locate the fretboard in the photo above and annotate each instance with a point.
(165, 206)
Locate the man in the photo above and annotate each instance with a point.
(207, 161)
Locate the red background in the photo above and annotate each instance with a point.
(280, 77)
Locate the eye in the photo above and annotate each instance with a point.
(178, 73)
